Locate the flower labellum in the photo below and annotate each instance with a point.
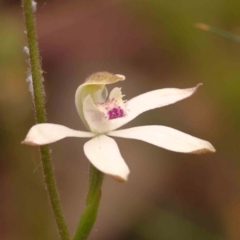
(103, 115)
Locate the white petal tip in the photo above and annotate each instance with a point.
(208, 149)
(29, 142)
(197, 87)
(212, 149)
(120, 178)
(120, 76)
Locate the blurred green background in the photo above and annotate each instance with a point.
(169, 196)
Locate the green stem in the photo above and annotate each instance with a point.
(39, 106)
(89, 214)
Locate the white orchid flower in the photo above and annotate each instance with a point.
(102, 115)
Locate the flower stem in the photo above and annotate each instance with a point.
(40, 112)
(89, 214)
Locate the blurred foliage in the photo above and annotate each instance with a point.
(164, 225)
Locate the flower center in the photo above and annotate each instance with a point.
(115, 113)
(112, 109)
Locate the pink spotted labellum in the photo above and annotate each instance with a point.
(103, 114)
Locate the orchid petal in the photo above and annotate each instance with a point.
(144, 102)
(152, 100)
(116, 94)
(104, 154)
(167, 138)
(46, 133)
(94, 117)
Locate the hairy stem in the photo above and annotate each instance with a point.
(89, 215)
(40, 112)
